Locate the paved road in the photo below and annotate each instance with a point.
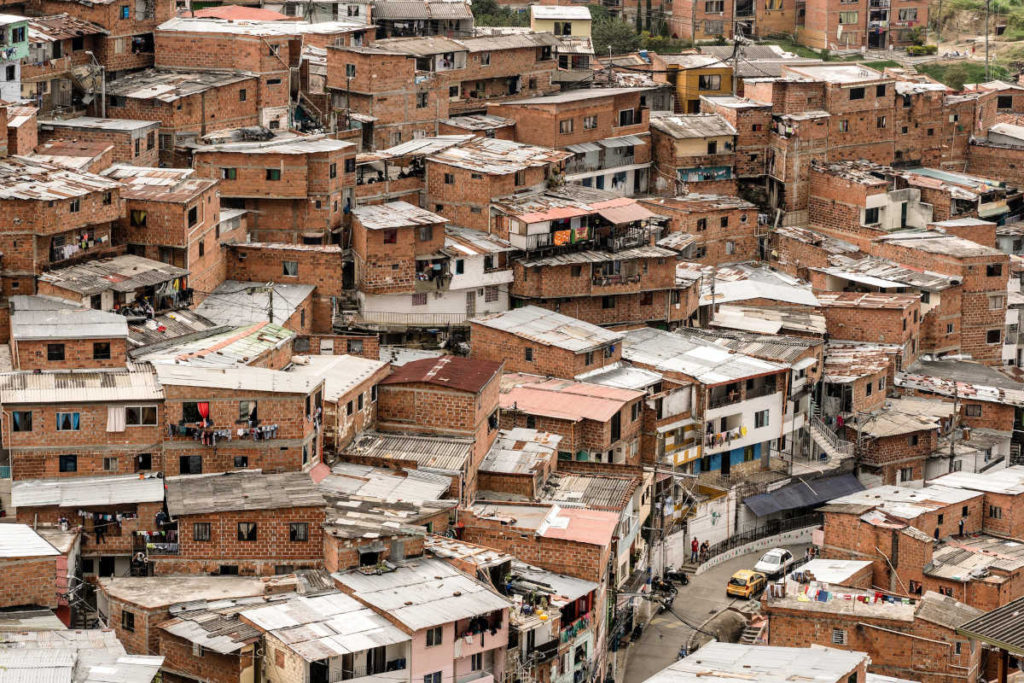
(696, 602)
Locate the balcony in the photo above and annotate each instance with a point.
(615, 280)
(153, 544)
(571, 630)
(394, 319)
(543, 652)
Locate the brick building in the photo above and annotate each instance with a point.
(855, 377)
(50, 334)
(56, 215)
(874, 318)
(57, 44)
(298, 190)
(173, 217)
(189, 104)
(834, 25)
(108, 423)
(246, 523)
(449, 396)
(30, 566)
(91, 157)
(896, 442)
(278, 413)
(135, 141)
(827, 664)
(597, 423)
(607, 129)
(462, 180)
(538, 341)
(753, 123)
(918, 639)
(113, 282)
(693, 153)
(270, 49)
(108, 511)
(724, 227)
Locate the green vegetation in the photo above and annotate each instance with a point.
(884, 64)
(490, 13)
(611, 36)
(955, 74)
(788, 45)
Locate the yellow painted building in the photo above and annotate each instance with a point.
(695, 75)
(562, 21)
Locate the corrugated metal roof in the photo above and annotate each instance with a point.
(563, 398)
(735, 662)
(577, 96)
(21, 540)
(623, 376)
(215, 347)
(324, 626)
(280, 144)
(341, 373)
(383, 483)
(498, 157)
(682, 126)
(78, 386)
(424, 593)
(695, 357)
(598, 492)
(455, 372)
(444, 455)
(124, 273)
(479, 122)
(238, 303)
(78, 656)
(61, 27)
(559, 12)
(39, 317)
(423, 46)
(31, 179)
(394, 215)
(170, 86)
(466, 241)
(415, 147)
(550, 328)
(95, 123)
(520, 451)
(259, 27)
(233, 491)
(80, 491)
(242, 379)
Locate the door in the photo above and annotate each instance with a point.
(471, 304)
(726, 463)
(106, 566)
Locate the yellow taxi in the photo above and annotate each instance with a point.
(746, 583)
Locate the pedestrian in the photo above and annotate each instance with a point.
(694, 545)
(807, 554)
(961, 527)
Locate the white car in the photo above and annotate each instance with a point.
(775, 562)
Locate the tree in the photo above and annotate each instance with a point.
(614, 34)
(956, 75)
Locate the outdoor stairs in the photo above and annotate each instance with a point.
(751, 634)
(832, 445)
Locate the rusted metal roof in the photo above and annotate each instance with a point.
(463, 374)
(61, 27)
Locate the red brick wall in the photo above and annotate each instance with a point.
(686, 216)
(375, 260)
(497, 345)
(211, 666)
(28, 581)
(78, 353)
(124, 142)
(272, 542)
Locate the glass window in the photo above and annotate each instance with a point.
(247, 531)
(140, 416)
(101, 351)
(298, 532)
(435, 636)
(67, 422)
(55, 352)
(201, 531)
(21, 421)
(68, 463)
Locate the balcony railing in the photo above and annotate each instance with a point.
(397, 319)
(543, 652)
(612, 280)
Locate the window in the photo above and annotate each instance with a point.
(101, 351)
(124, 12)
(449, 178)
(436, 676)
(946, 590)
(349, 408)
(906, 473)
(713, 147)
(110, 464)
(202, 248)
(838, 636)
(485, 59)
(421, 100)
(425, 233)
(247, 531)
(435, 636)
(528, 354)
(55, 352)
(193, 216)
(190, 464)
(851, 18)
(140, 416)
(359, 402)
(460, 266)
(702, 224)
(68, 463)
(453, 92)
(229, 173)
(869, 389)
(298, 532)
(476, 662)
(241, 462)
(565, 126)
(67, 422)
(761, 419)
(607, 302)
(419, 299)
(520, 178)
(350, 167)
(871, 216)
(994, 269)
(273, 174)
(994, 336)
(627, 117)
(914, 440)
(634, 411)
(1004, 102)
(391, 236)
(995, 512)
(880, 122)
(332, 170)
(350, 71)
(127, 618)
(972, 410)
(699, 252)
(589, 122)
(880, 90)
(588, 358)
(996, 302)
(909, 14)
(949, 328)
(844, 125)
(242, 95)
(709, 82)
(75, 206)
(21, 421)
(290, 268)
(201, 531)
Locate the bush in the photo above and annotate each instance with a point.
(921, 50)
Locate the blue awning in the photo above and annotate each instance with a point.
(802, 494)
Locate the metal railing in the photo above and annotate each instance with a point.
(841, 445)
(410, 319)
(771, 528)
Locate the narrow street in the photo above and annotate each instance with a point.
(696, 602)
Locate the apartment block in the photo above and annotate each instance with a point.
(693, 153)
(134, 141)
(724, 228)
(58, 44)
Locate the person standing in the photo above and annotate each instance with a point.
(694, 546)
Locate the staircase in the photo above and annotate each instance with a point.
(752, 634)
(834, 446)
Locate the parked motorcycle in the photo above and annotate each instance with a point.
(666, 603)
(676, 575)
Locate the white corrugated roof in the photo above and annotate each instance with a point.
(43, 317)
(705, 361)
(550, 328)
(424, 593)
(560, 12)
(74, 386)
(340, 373)
(245, 379)
(74, 491)
(21, 540)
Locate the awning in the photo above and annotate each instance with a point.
(685, 422)
(993, 209)
(624, 141)
(801, 494)
(584, 147)
(624, 214)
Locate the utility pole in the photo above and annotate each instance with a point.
(988, 8)
(270, 302)
(954, 424)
